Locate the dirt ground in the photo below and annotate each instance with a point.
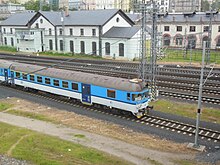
(72, 120)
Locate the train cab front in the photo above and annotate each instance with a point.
(141, 100)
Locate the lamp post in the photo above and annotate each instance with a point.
(200, 98)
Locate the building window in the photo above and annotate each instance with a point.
(218, 28)
(47, 81)
(117, 19)
(179, 28)
(12, 42)
(107, 48)
(179, 40)
(50, 31)
(166, 40)
(166, 28)
(94, 48)
(37, 25)
(61, 31)
(74, 86)
(82, 46)
(4, 30)
(111, 93)
(192, 28)
(82, 32)
(205, 28)
(71, 46)
(61, 45)
(71, 32)
(93, 32)
(41, 20)
(5, 40)
(121, 49)
(65, 84)
(11, 31)
(56, 83)
(51, 44)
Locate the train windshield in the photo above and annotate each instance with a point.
(140, 96)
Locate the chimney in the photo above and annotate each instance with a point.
(66, 11)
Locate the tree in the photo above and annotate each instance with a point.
(205, 5)
(216, 5)
(35, 5)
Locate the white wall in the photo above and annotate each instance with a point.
(113, 22)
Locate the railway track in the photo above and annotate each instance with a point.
(148, 120)
(181, 80)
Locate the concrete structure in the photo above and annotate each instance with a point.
(190, 29)
(108, 33)
(11, 8)
(162, 4)
(185, 5)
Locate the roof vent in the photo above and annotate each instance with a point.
(135, 80)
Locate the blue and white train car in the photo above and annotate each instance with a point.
(124, 94)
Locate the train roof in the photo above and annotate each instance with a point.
(76, 76)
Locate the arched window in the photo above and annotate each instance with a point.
(5, 40)
(166, 40)
(12, 42)
(179, 40)
(205, 38)
(50, 31)
(82, 46)
(121, 49)
(51, 44)
(191, 41)
(94, 48)
(107, 48)
(71, 46)
(61, 45)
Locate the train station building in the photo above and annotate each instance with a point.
(107, 33)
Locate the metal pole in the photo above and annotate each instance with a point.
(63, 29)
(190, 53)
(200, 97)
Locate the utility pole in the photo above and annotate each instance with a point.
(143, 42)
(209, 36)
(63, 29)
(153, 52)
(200, 97)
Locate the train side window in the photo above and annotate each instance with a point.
(75, 86)
(56, 83)
(39, 79)
(128, 96)
(17, 75)
(32, 77)
(47, 81)
(24, 76)
(111, 93)
(64, 84)
(136, 97)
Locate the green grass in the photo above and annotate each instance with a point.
(47, 150)
(4, 106)
(153, 162)
(186, 162)
(71, 55)
(187, 110)
(31, 115)
(79, 136)
(196, 56)
(8, 49)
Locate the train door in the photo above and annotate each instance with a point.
(6, 75)
(12, 81)
(86, 93)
